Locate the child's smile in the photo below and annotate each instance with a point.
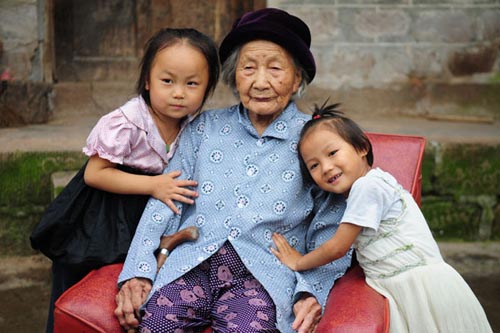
(333, 163)
(331, 180)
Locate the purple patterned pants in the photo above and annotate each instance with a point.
(220, 293)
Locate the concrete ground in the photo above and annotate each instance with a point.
(76, 110)
(70, 132)
(25, 284)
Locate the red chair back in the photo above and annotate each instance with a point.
(400, 155)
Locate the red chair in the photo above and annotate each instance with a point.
(352, 305)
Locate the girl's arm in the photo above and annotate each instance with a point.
(103, 175)
(332, 249)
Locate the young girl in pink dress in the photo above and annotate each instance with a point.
(92, 222)
(383, 223)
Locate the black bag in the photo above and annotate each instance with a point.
(88, 227)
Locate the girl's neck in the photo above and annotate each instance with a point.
(367, 169)
(168, 128)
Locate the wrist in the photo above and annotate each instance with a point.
(152, 185)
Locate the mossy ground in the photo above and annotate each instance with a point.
(460, 192)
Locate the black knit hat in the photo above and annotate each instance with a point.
(274, 25)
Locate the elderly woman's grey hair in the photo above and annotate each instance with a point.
(229, 74)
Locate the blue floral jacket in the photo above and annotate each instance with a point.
(250, 186)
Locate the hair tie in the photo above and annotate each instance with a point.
(317, 116)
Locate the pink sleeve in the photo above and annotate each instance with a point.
(111, 138)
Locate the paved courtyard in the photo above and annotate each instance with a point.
(24, 284)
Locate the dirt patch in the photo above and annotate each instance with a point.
(479, 264)
(25, 284)
(487, 290)
(25, 289)
(25, 271)
(24, 309)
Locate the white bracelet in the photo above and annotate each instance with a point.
(164, 251)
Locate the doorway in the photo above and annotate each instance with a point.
(102, 40)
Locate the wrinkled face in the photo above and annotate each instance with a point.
(266, 79)
(177, 81)
(333, 163)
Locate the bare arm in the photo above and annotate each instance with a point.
(103, 175)
(332, 249)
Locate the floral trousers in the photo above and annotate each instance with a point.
(220, 293)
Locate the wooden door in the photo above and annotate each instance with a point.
(95, 39)
(102, 40)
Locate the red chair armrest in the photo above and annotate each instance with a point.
(89, 305)
(353, 306)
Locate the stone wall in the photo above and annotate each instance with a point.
(401, 52)
(22, 44)
(460, 193)
(410, 57)
(399, 57)
(24, 102)
(358, 43)
(378, 43)
(25, 97)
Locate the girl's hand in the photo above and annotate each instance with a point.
(168, 188)
(284, 252)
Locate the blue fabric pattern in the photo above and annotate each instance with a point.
(250, 186)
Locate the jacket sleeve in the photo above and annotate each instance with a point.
(157, 218)
(328, 212)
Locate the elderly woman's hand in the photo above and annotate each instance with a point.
(129, 299)
(307, 314)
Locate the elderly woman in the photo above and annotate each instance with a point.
(244, 159)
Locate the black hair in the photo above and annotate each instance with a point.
(329, 116)
(169, 36)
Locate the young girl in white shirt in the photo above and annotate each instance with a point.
(393, 243)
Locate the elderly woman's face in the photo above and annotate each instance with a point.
(266, 79)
